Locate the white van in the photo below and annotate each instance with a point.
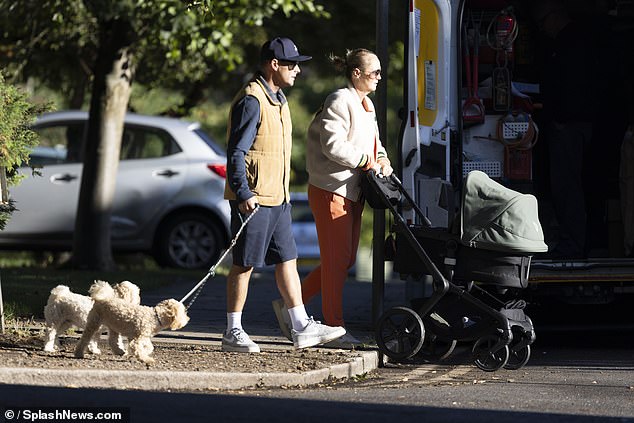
(476, 100)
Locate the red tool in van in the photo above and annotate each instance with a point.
(472, 109)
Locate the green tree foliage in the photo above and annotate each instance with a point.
(171, 41)
(53, 41)
(179, 44)
(16, 138)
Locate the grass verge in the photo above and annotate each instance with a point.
(25, 290)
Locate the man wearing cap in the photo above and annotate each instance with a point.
(258, 171)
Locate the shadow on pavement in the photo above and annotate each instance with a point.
(183, 407)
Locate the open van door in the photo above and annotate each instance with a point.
(472, 100)
(430, 92)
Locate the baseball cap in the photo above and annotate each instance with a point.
(282, 48)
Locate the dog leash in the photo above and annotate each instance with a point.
(212, 270)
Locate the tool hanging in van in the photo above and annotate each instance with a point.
(472, 109)
(501, 34)
(519, 134)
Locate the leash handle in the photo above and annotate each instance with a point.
(212, 270)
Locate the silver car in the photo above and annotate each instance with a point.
(169, 193)
(304, 229)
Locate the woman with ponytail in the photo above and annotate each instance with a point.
(343, 142)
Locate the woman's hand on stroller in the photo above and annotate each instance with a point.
(370, 164)
(381, 166)
(385, 167)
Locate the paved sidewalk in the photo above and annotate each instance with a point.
(207, 322)
(208, 313)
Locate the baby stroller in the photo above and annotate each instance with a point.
(486, 259)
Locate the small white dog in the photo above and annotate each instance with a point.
(138, 323)
(66, 309)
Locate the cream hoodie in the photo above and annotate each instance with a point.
(340, 134)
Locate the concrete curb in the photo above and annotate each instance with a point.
(170, 380)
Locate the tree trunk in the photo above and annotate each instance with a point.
(78, 91)
(109, 101)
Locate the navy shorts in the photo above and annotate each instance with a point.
(267, 238)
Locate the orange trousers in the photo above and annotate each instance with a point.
(338, 223)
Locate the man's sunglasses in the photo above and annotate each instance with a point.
(290, 65)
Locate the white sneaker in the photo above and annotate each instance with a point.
(346, 342)
(237, 340)
(283, 318)
(315, 333)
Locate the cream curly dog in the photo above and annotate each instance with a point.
(65, 309)
(138, 323)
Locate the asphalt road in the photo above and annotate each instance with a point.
(572, 376)
(172, 407)
(564, 382)
(558, 385)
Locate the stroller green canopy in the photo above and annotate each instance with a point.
(494, 217)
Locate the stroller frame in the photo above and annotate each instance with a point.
(502, 337)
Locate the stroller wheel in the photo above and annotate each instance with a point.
(488, 359)
(435, 348)
(400, 333)
(518, 359)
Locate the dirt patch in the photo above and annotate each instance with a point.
(26, 351)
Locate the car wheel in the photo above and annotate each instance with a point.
(189, 241)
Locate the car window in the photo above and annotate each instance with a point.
(210, 142)
(41, 156)
(62, 143)
(146, 143)
(58, 144)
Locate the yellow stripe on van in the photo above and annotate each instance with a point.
(427, 62)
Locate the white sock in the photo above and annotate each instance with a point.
(299, 317)
(234, 320)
